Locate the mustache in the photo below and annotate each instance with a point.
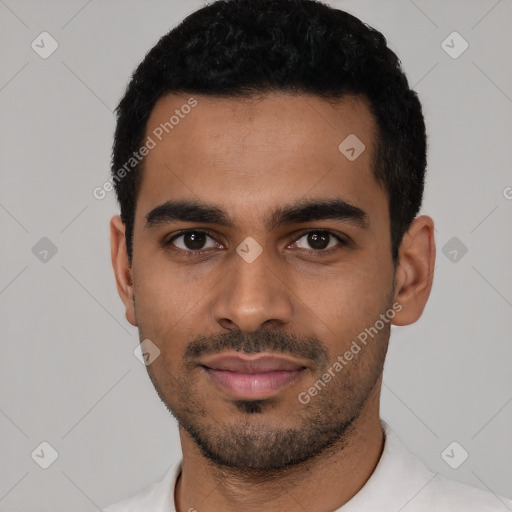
(259, 341)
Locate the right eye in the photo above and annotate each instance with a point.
(192, 242)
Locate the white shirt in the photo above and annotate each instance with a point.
(400, 482)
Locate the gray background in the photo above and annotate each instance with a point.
(68, 375)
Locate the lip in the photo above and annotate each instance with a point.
(257, 363)
(253, 377)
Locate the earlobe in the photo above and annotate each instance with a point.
(121, 267)
(415, 271)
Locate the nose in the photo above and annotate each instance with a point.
(252, 295)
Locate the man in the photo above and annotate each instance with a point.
(269, 161)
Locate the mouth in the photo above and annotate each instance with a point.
(253, 377)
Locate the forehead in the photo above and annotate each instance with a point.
(249, 156)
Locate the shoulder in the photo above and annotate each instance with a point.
(136, 502)
(445, 494)
(158, 497)
(401, 481)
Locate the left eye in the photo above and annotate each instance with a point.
(320, 240)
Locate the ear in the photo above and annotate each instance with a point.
(415, 270)
(121, 266)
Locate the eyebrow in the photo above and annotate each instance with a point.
(296, 213)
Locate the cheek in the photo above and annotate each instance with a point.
(344, 303)
(160, 321)
(164, 287)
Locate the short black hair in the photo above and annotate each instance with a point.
(242, 48)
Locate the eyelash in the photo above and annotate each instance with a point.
(318, 253)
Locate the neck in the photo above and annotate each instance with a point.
(340, 473)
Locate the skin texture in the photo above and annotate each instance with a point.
(249, 157)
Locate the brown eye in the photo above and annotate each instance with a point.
(319, 240)
(191, 241)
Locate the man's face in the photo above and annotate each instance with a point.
(305, 297)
